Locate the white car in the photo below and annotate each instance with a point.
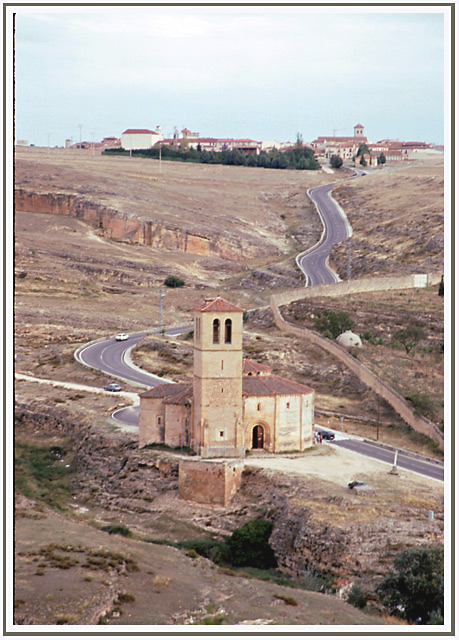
(122, 336)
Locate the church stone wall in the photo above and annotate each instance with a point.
(178, 419)
(308, 421)
(151, 421)
(288, 421)
(259, 410)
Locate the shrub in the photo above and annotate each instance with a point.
(414, 590)
(409, 337)
(357, 597)
(174, 282)
(249, 545)
(332, 323)
(126, 597)
(287, 599)
(422, 403)
(215, 550)
(121, 529)
(336, 162)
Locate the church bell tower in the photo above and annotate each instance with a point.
(217, 380)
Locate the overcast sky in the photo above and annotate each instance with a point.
(259, 72)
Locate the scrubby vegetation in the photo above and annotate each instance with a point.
(42, 473)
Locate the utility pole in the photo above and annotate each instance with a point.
(92, 141)
(160, 158)
(161, 293)
(349, 274)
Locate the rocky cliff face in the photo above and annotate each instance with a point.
(134, 229)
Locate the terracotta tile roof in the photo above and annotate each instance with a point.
(218, 304)
(139, 131)
(252, 367)
(358, 125)
(272, 386)
(171, 392)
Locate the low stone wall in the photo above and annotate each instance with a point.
(397, 402)
(363, 285)
(128, 227)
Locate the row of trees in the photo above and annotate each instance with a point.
(299, 157)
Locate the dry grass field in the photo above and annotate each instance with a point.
(397, 218)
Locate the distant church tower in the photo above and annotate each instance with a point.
(358, 131)
(217, 380)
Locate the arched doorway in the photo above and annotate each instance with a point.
(257, 437)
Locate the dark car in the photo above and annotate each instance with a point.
(326, 435)
(113, 386)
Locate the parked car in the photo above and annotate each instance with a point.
(356, 483)
(113, 386)
(122, 336)
(326, 435)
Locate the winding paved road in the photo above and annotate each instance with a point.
(314, 261)
(113, 358)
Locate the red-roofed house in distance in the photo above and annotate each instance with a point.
(233, 404)
(140, 138)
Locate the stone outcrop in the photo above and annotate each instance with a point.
(131, 228)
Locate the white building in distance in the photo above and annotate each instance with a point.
(140, 138)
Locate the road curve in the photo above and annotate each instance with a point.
(314, 261)
(113, 358)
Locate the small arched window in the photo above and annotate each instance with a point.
(228, 331)
(216, 331)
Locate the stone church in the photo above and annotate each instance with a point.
(232, 404)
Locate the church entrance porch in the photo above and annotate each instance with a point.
(257, 437)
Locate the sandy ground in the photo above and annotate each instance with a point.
(339, 466)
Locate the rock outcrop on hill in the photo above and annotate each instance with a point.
(131, 228)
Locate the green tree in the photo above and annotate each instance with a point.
(409, 337)
(332, 323)
(363, 149)
(363, 162)
(249, 545)
(173, 282)
(382, 158)
(336, 162)
(414, 590)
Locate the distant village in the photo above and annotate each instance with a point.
(324, 147)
